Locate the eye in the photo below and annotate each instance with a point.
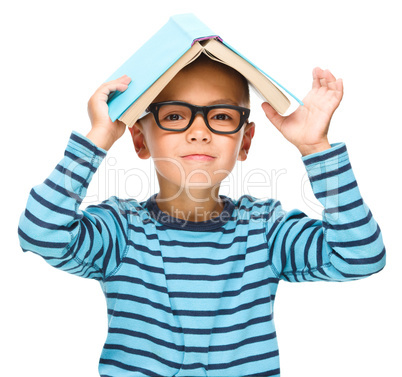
(174, 117)
(222, 117)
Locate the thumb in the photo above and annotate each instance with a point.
(273, 116)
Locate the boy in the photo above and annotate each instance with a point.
(189, 275)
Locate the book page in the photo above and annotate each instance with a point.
(261, 84)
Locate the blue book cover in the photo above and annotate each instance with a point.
(157, 55)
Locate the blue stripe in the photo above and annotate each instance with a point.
(44, 244)
(351, 225)
(214, 245)
(62, 190)
(320, 261)
(140, 352)
(145, 319)
(43, 224)
(233, 275)
(284, 254)
(346, 207)
(218, 295)
(361, 261)
(54, 207)
(131, 368)
(134, 280)
(193, 331)
(155, 270)
(293, 254)
(336, 191)
(140, 300)
(330, 174)
(324, 157)
(181, 260)
(141, 335)
(68, 173)
(360, 242)
(269, 373)
(80, 161)
(307, 248)
(215, 313)
(244, 360)
(86, 144)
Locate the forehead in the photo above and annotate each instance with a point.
(204, 83)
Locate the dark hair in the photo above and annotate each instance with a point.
(204, 59)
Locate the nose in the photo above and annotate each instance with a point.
(199, 131)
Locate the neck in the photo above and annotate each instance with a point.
(190, 204)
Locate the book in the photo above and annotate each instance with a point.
(179, 42)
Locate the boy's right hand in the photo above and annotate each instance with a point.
(104, 132)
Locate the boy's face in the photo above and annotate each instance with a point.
(201, 85)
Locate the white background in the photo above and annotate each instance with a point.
(54, 56)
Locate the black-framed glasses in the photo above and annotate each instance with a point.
(179, 116)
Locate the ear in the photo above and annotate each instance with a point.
(139, 141)
(246, 142)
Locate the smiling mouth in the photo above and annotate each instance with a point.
(198, 157)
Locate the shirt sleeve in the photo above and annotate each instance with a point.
(345, 245)
(86, 243)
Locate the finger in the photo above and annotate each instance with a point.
(339, 89)
(124, 79)
(339, 85)
(121, 81)
(121, 87)
(120, 84)
(332, 85)
(273, 116)
(336, 86)
(329, 76)
(317, 75)
(321, 78)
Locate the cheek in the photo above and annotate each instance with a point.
(169, 167)
(158, 145)
(228, 159)
(234, 149)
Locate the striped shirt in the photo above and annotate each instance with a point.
(196, 298)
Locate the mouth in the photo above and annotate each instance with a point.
(198, 157)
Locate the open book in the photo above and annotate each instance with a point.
(177, 44)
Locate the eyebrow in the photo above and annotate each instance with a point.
(225, 101)
(221, 101)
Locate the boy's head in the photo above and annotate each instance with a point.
(197, 156)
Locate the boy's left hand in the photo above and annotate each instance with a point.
(307, 127)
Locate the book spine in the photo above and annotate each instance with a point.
(209, 37)
(190, 25)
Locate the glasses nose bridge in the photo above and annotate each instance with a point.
(203, 110)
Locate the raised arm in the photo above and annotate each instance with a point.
(86, 243)
(346, 243)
